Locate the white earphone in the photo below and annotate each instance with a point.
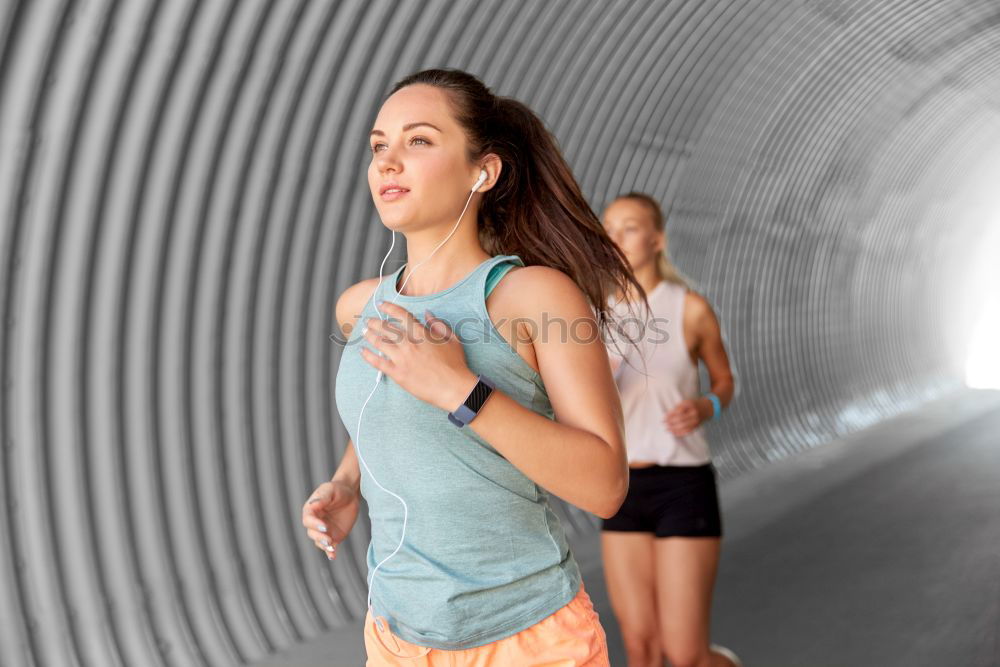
(378, 378)
(482, 179)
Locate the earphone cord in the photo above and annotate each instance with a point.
(375, 386)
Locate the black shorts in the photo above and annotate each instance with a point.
(670, 501)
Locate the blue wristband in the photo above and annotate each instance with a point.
(716, 405)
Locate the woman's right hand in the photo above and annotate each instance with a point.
(329, 515)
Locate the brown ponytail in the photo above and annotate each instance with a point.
(536, 210)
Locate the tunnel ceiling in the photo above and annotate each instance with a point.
(183, 196)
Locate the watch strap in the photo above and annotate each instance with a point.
(716, 405)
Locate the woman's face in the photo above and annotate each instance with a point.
(417, 144)
(630, 225)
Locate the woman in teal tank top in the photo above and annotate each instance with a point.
(467, 562)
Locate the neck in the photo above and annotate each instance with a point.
(433, 271)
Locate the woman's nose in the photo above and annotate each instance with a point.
(386, 161)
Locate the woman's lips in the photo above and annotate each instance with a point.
(393, 195)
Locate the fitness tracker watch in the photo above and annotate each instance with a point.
(468, 410)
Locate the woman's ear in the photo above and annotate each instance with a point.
(493, 166)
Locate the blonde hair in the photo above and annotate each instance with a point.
(666, 268)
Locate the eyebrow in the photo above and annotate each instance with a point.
(407, 127)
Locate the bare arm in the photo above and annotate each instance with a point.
(349, 307)
(710, 349)
(349, 471)
(579, 456)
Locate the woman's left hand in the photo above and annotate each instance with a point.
(427, 361)
(683, 418)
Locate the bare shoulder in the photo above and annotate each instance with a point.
(700, 322)
(546, 289)
(352, 301)
(529, 298)
(544, 301)
(697, 307)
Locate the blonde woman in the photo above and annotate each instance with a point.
(661, 549)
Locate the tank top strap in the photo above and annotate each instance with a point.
(490, 273)
(390, 280)
(498, 271)
(673, 296)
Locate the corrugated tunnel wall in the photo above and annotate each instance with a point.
(183, 198)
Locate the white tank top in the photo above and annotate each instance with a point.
(670, 377)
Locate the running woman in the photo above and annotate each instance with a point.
(504, 295)
(661, 549)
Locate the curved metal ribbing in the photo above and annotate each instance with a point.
(183, 197)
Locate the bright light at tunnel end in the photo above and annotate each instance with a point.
(982, 365)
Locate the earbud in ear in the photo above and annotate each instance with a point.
(482, 179)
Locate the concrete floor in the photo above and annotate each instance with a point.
(886, 558)
(880, 549)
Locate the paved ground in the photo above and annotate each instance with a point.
(893, 561)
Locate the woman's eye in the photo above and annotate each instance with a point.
(376, 146)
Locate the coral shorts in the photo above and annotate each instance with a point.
(570, 637)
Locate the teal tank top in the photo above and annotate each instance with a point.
(484, 555)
